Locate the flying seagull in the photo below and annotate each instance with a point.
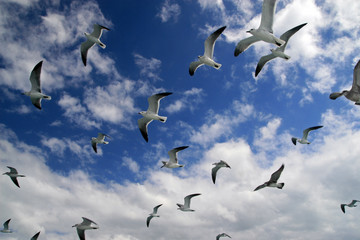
(273, 180)
(85, 225)
(92, 38)
(279, 51)
(99, 139)
(6, 227)
(354, 93)
(151, 113)
(304, 140)
(13, 174)
(218, 165)
(222, 235)
(186, 206)
(173, 162)
(35, 92)
(207, 58)
(35, 237)
(153, 214)
(264, 32)
(352, 204)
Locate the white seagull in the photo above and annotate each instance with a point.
(92, 38)
(218, 165)
(352, 204)
(222, 235)
(151, 113)
(6, 227)
(264, 32)
(207, 58)
(354, 93)
(173, 162)
(273, 180)
(153, 214)
(13, 174)
(35, 237)
(186, 206)
(279, 51)
(304, 140)
(35, 92)
(85, 225)
(99, 139)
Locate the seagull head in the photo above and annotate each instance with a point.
(76, 225)
(26, 93)
(142, 112)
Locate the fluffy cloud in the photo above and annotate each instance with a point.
(169, 10)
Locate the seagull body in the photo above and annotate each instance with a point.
(304, 140)
(354, 93)
(35, 237)
(208, 57)
(91, 40)
(222, 235)
(352, 204)
(13, 174)
(218, 165)
(6, 227)
(151, 113)
(264, 32)
(153, 214)
(99, 139)
(186, 206)
(279, 51)
(85, 225)
(35, 92)
(173, 162)
(273, 180)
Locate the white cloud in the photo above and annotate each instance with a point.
(131, 164)
(148, 67)
(169, 10)
(189, 100)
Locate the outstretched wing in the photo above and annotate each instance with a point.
(98, 30)
(6, 224)
(244, 44)
(84, 48)
(342, 206)
(35, 237)
(14, 179)
(267, 15)
(81, 233)
(276, 175)
(193, 66)
(306, 131)
(210, 42)
(156, 208)
(260, 187)
(356, 78)
(35, 78)
(262, 62)
(12, 170)
(143, 125)
(87, 221)
(187, 199)
(288, 34)
(213, 172)
(173, 153)
(154, 101)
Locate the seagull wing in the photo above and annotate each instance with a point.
(214, 171)
(210, 42)
(287, 35)
(244, 44)
(173, 153)
(267, 15)
(276, 175)
(35, 237)
(148, 220)
(293, 139)
(14, 179)
(35, 78)
(154, 101)
(81, 233)
(12, 170)
(187, 199)
(98, 30)
(94, 145)
(6, 224)
(156, 208)
(85, 46)
(306, 131)
(101, 136)
(356, 79)
(193, 66)
(342, 206)
(87, 221)
(262, 61)
(260, 187)
(222, 235)
(143, 125)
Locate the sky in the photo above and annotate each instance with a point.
(226, 114)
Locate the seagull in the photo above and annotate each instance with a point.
(304, 140)
(352, 204)
(279, 51)
(85, 225)
(35, 237)
(99, 139)
(222, 235)
(173, 162)
(35, 92)
(13, 174)
(354, 93)
(273, 180)
(92, 38)
(153, 214)
(217, 167)
(186, 206)
(151, 113)
(6, 227)
(207, 58)
(264, 32)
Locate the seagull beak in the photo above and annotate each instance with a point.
(248, 31)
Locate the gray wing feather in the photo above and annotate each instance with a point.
(210, 42)
(213, 172)
(187, 199)
(6, 224)
(148, 220)
(288, 34)
(267, 15)
(260, 187)
(12, 170)
(143, 125)
(262, 62)
(193, 66)
(98, 30)
(244, 44)
(35, 237)
(85, 46)
(173, 153)
(156, 208)
(306, 131)
(276, 175)
(81, 234)
(35, 77)
(154, 101)
(14, 179)
(356, 78)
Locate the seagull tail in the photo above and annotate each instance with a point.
(162, 119)
(102, 45)
(281, 185)
(164, 163)
(105, 142)
(335, 95)
(293, 140)
(47, 97)
(217, 65)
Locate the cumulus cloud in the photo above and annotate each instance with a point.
(169, 11)
(148, 67)
(189, 100)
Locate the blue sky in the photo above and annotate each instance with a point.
(226, 114)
